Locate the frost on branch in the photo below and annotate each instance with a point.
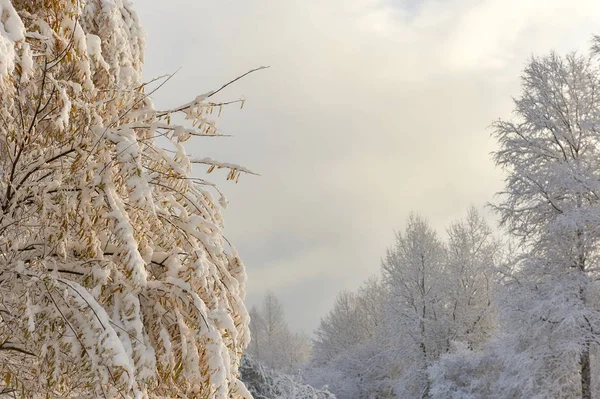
(115, 277)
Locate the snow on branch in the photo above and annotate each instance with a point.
(116, 280)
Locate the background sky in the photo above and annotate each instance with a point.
(371, 109)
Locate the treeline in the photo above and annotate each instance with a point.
(433, 296)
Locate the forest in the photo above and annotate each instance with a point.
(116, 280)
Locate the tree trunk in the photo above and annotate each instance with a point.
(426, 387)
(586, 374)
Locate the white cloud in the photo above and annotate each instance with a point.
(371, 109)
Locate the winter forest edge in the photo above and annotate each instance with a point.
(117, 282)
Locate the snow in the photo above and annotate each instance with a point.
(63, 119)
(118, 268)
(26, 62)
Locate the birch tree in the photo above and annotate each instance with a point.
(115, 279)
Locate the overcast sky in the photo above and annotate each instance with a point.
(371, 109)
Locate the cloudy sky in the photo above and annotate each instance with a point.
(371, 109)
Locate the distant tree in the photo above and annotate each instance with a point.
(275, 331)
(340, 330)
(299, 350)
(471, 260)
(551, 154)
(415, 272)
(115, 279)
(256, 348)
(349, 354)
(434, 297)
(273, 344)
(440, 296)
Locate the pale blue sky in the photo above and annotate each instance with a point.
(371, 109)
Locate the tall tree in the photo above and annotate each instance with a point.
(551, 204)
(434, 297)
(414, 270)
(115, 280)
(471, 258)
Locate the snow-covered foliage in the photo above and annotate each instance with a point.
(349, 354)
(472, 254)
(465, 373)
(440, 294)
(115, 277)
(550, 304)
(414, 270)
(433, 296)
(265, 383)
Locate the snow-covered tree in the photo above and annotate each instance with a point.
(275, 331)
(472, 251)
(115, 280)
(349, 355)
(273, 344)
(415, 272)
(440, 296)
(257, 345)
(468, 373)
(551, 153)
(434, 297)
(298, 352)
(341, 329)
